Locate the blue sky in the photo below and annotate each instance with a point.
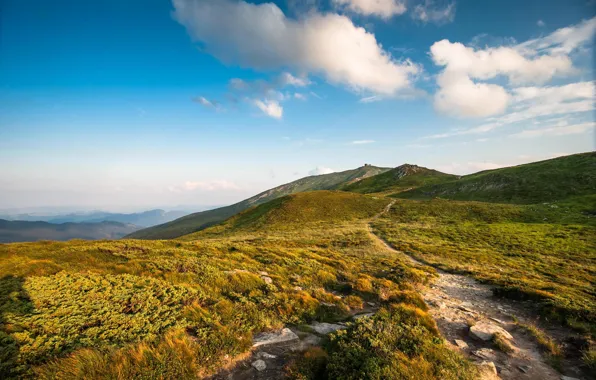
(125, 105)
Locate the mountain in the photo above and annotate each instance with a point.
(21, 231)
(543, 181)
(142, 219)
(198, 221)
(401, 178)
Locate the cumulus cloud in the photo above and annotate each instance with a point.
(320, 170)
(361, 142)
(270, 108)
(533, 62)
(261, 37)
(380, 8)
(430, 11)
(534, 103)
(214, 185)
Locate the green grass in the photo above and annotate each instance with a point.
(544, 181)
(531, 252)
(201, 220)
(183, 309)
(404, 177)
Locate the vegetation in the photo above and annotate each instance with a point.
(544, 181)
(201, 220)
(182, 309)
(401, 178)
(532, 252)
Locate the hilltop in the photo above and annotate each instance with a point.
(404, 177)
(543, 181)
(200, 220)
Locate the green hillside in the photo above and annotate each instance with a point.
(543, 181)
(182, 310)
(296, 211)
(200, 220)
(401, 178)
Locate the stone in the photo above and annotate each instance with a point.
(461, 344)
(326, 328)
(364, 315)
(259, 365)
(267, 280)
(266, 355)
(524, 368)
(485, 331)
(284, 335)
(497, 320)
(568, 378)
(487, 371)
(298, 288)
(263, 273)
(371, 304)
(485, 353)
(307, 342)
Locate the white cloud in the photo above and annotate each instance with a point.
(214, 185)
(540, 23)
(361, 142)
(459, 96)
(206, 102)
(270, 108)
(556, 94)
(381, 8)
(536, 61)
(371, 99)
(287, 79)
(262, 37)
(320, 170)
(299, 96)
(430, 11)
(557, 130)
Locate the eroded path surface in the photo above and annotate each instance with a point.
(457, 302)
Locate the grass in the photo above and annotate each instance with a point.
(183, 309)
(201, 220)
(531, 252)
(544, 181)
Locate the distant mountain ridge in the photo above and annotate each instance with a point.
(198, 221)
(141, 219)
(24, 231)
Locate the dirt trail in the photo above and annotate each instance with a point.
(456, 301)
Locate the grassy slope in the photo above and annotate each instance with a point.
(537, 182)
(401, 178)
(198, 221)
(179, 309)
(534, 252)
(21, 231)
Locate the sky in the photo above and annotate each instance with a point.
(137, 104)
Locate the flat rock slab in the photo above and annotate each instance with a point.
(485, 353)
(461, 344)
(284, 335)
(326, 328)
(365, 315)
(485, 331)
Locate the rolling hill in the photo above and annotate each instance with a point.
(20, 231)
(401, 178)
(198, 221)
(543, 181)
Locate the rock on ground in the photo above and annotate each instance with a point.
(487, 371)
(284, 335)
(259, 365)
(485, 331)
(326, 328)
